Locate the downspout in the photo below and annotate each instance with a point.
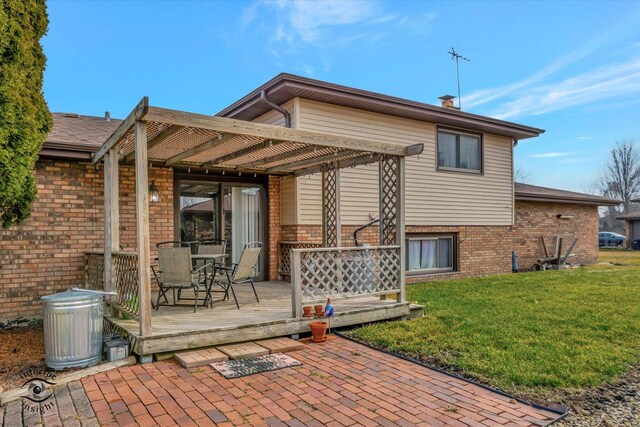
(285, 113)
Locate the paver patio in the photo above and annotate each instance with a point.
(340, 383)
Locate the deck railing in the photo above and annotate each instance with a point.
(125, 270)
(320, 273)
(284, 254)
(94, 270)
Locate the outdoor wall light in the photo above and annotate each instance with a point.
(154, 194)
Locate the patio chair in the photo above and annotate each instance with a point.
(242, 272)
(175, 271)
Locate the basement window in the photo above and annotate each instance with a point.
(459, 151)
(430, 254)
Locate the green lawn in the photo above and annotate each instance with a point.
(535, 334)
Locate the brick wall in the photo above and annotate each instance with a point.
(486, 250)
(274, 227)
(481, 250)
(535, 219)
(46, 253)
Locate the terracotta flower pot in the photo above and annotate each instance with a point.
(307, 311)
(319, 310)
(318, 331)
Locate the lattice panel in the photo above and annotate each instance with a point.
(284, 254)
(94, 271)
(126, 272)
(389, 167)
(349, 272)
(331, 209)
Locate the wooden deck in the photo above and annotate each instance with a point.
(179, 328)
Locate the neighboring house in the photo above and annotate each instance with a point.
(632, 225)
(463, 217)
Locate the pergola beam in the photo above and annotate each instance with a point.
(157, 140)
(138, 112)
(207, 145)
(284, 156)
(277, 133)
(312, 161)
(341, 164)
(242, 152)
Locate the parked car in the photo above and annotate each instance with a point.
(607, 238)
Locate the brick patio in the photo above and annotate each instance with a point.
(339, 384)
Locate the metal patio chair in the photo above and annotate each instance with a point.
(242, 272)
(175, 271)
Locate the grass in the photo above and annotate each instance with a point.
(534, 334)
(620, 256)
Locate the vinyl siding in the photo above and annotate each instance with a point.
(288, 211)
(432, 197)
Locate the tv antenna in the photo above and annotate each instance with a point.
(455, 55)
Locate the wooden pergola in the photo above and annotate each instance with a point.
(175, 138)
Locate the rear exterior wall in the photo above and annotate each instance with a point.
(536, 219)
(45, 254)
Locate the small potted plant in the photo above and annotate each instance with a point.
(307, 311)
(319, 310)
(318, 331)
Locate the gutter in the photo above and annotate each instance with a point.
(574, 201)
(285, 113)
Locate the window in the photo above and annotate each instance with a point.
(459, 151)
(430, 253)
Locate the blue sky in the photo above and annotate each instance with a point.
(572, 68)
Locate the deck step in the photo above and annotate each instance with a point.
(416, 311)
(281, 345)
(195, 358)
(243, 350)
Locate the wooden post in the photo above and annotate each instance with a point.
(296, 282)
(111, 217)
(142, 225)
(331, 227)
(400, 228)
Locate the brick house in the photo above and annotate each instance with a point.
(464, 215)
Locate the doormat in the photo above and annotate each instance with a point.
(254, 365)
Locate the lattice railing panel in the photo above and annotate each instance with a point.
(94, 271)
(346, 272)
(389, 167)
(284, 254)
(331, 209)
(125, 266)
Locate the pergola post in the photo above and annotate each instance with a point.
(111, 217)
(391, 188)
(142, 223)
(331, 229)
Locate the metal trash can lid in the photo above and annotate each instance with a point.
(70, 295)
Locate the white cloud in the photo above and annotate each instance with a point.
(293, 26)
(551, 154)
(487, 95)
(607, 82)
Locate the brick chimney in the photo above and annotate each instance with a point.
(447, 101)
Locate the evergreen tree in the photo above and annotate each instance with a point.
(24, 116)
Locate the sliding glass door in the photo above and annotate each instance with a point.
(234, 212)
(199, 210)
(244, 220)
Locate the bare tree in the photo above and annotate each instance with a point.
(620, 179)
(521, 175)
